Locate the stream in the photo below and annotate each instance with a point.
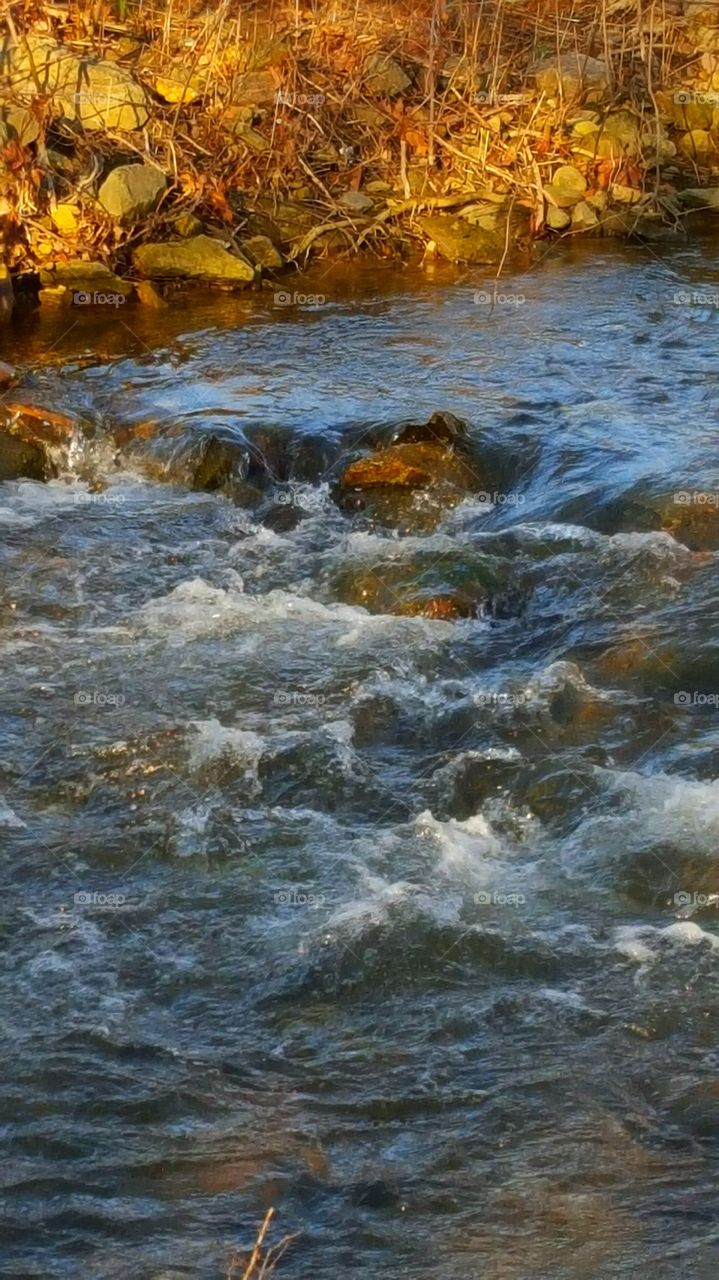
(404, 926)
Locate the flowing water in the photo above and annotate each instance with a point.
(407, 927)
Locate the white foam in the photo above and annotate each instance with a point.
(213, 741)
(8, 818)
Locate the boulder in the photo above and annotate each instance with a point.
(96, 94)
(199, 258)
(410, 466)
(82, 280)
(459, 241)
(384, 77)
(132, 191)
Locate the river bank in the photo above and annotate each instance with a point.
(144, 153)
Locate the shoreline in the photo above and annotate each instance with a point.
(205, 151)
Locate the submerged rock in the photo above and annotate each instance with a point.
(199, 258)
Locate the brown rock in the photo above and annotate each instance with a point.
(22, 459)
(35, 423)
(410, 466)
(149, 295)
(7, 373)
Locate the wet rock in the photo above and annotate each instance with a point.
(385, 78)
(217, 464)
(149, 295)
(422, 588)
(132, 191)
(21, 459)
(283, 517)
(410, 466)
(443, 428)
(99, 95)
(84, 278)
(691, 517)
(460, 241)
(37, 424)
(7, 374)
(199, 258)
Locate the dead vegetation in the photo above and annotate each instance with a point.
(415, 106)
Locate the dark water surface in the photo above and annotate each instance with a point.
(405, 927)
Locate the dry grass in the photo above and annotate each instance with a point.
(465, 124)
(262, 1258)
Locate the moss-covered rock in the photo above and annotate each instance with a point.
(459, 241)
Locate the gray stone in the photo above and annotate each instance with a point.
(357, 202)
(262, 252)
(100, 95)
(558, 219)
(584, 217)
(700, 198)
(385, 77)
(570, 74)
(458, 241)
(132, 191)
(200, 258)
